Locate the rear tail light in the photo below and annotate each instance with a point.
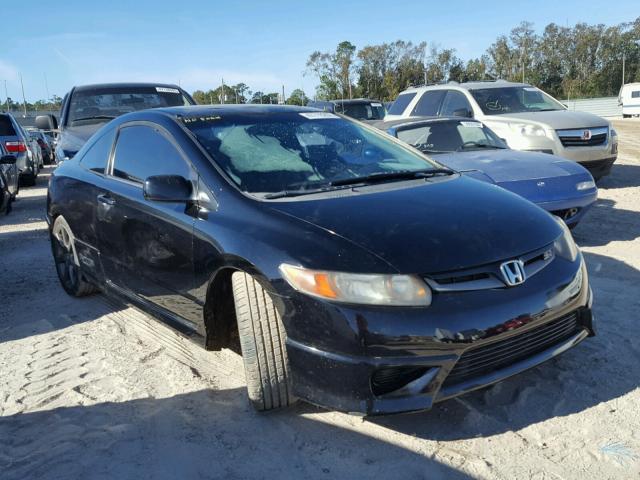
(13, 147)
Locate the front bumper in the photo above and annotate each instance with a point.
(599, 168)
(422, 348)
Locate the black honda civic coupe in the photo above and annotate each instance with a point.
(347, 268)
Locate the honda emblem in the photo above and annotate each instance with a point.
(513, 272)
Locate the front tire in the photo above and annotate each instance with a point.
(262, 340)
(66, 260)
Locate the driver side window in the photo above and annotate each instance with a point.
(455, 105)
(143, 151)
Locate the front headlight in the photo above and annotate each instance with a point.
(365, 289)
(588, 185)
(564, 245)
(528, 129)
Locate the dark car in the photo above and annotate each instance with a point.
(353, 271)
(359, 108)
(86, 108)
(43, 142)
(560, 186)
(18, 143)
(9, 183)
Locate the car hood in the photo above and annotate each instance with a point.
(538, 177)
(427, 227)
(73, 138)
(557, 119)
(511, 165)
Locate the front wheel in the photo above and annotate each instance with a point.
(262, 340)
(66, 260)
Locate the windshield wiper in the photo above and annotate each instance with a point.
(397, 175)
(297, 193)
(423, 149)
(94, 117)
(479, 145)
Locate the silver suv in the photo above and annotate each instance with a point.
(524, 116)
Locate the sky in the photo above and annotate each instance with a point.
(264, 44)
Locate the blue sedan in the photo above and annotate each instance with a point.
(560, 186)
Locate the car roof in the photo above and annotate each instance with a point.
(246, 110)
(467, 85)
(348, 101)
(93, 86)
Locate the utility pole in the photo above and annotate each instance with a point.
(6, 95)
(24, 100)
(46, 86)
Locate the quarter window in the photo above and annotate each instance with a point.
(455, 104)
(142, 152)
(97, 156)
(428, 104)
(398, 107)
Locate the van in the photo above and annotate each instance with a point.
(629, 98)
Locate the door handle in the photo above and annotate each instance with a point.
(106, 199)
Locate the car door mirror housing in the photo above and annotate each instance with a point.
(46, 122)
(168, 188)
(7, 160)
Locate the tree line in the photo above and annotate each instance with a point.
(567, 62)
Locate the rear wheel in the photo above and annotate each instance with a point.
(66, 260)
(28, 180)
(262, 340)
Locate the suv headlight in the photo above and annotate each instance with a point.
(528, 129)
(565, 246)
(358, 288)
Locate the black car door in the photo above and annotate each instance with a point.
(147, 246)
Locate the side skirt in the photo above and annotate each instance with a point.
(184, 327)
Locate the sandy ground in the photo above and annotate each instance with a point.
(93, 389)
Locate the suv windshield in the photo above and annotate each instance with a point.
(495, 101)
(300, 150)
(362, 111)
(450, 136)
(101, 104)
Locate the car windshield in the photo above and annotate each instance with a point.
(495, 101)
(450, 136)
(102, 104)
(362, 111)
(300, 150)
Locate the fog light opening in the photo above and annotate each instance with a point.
(388, 380)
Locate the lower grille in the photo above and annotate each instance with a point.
(567, 214)
(482, 360)
(390, 379)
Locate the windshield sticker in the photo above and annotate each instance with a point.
(318, 115)
(209, 118)
(530, 89)
(167, 90)
(471, 124)
(376, 104)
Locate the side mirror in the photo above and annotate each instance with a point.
(168, 188)
(463, 112)
(7, 160)
(46, 122)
